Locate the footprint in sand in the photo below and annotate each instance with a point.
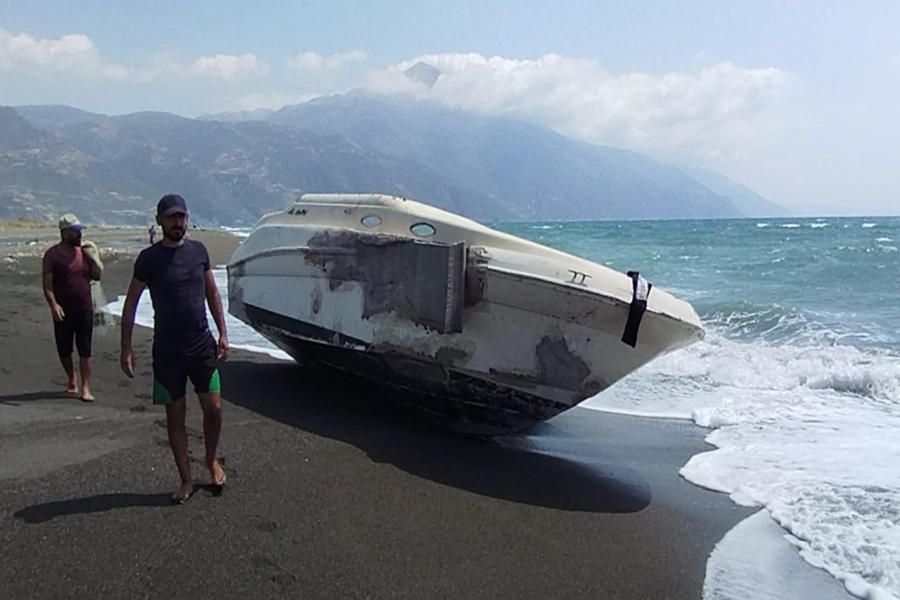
(264, 525)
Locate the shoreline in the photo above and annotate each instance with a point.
(28, 239)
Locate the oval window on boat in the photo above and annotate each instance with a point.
(371, 221)
(422, 229)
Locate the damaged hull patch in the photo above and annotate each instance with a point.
(418, 281)
(559, 366)
(454, 400)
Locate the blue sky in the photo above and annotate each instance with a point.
(799, 101)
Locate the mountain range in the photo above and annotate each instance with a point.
(234, 167)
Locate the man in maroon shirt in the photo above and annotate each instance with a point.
(67, 275)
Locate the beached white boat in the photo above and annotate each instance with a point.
(483, 332)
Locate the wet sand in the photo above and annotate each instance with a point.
(331, 493)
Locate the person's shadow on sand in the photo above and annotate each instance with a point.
(41, 513)
(16, 399)
(501, 468)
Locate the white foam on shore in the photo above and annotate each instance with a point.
(716, 369)
(824, 468)
(810, 433)
(754, 560)
(239, 334)
(241, 232)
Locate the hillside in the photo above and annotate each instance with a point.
(233, 168)
(532, 172)
(42, 174)
(746, 200)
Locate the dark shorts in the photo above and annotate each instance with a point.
(171, 373)
(77, 326)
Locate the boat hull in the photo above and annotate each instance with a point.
(522, 352)
(481, 332)
(452, 399)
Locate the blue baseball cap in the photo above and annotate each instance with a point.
(171, 204)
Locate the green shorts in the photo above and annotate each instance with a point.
(172, 372)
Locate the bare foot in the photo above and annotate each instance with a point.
(86, 395)
(71, 388)
(216, 473)
(184, 491)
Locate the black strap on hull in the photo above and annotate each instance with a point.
(640, 291)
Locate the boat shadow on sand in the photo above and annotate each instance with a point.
(510, 468)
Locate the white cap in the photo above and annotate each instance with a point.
(70, 221)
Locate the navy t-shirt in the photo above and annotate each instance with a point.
(176, 280)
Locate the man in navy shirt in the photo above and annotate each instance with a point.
(178, 273)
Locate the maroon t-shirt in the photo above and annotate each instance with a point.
(71, 278)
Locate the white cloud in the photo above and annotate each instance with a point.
(315, 62)
(228, 67)
(716, 111)
(73, 54)
(218, 67)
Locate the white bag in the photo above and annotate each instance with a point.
(98, 297)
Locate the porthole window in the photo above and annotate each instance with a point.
(371, 221)
(422, 229)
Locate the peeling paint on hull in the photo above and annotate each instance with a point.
(450, 398)
(397, 275)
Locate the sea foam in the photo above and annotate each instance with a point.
(808, 432)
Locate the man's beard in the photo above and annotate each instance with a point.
(175, 234)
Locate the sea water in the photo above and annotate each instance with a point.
(798, 378)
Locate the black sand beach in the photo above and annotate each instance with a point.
(331, 493)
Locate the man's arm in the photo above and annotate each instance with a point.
(135, 289)
(214, 300)
(47, 285)
(93, 268)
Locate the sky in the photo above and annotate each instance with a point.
(798, 100)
